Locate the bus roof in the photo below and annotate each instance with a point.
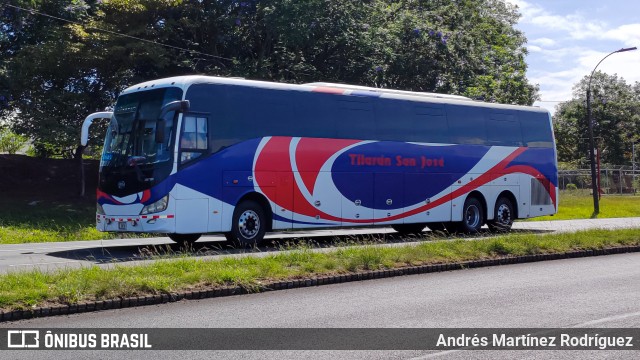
(338, 89)
(388, 91)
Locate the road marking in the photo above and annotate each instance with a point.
(607, 319)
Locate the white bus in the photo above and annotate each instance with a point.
(194, 154)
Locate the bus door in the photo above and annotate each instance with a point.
(277, 186)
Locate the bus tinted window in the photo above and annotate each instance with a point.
(239, 113)
(314, 115)
(431, 125)
(268, 112)
(356, 118)
(393, 120)
(536, 129)
(466, 124)
(503, 129)
(399, 120)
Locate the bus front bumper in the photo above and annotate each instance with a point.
(137, 223)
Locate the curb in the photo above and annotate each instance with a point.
(121, 303)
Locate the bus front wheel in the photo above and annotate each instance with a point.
(249, 225)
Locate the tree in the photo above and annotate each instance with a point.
(58, 71)
(459, 47)
(51, 82)
(615, 107)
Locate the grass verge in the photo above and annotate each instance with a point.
(23, 290)
(36, 222)
(578, 204)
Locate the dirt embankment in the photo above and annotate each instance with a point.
(36, 179)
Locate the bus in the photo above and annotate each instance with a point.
(191, 155)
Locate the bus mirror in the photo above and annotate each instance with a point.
(84, 133)
(178, 106)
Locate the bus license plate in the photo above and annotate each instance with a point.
(122, 225)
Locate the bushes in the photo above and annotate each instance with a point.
(11, 142)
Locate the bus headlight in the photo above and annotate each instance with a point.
(99, 209)
(160, 205)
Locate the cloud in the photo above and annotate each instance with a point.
(561, 55)
(556, 85)
(574, 25)
(533, 48)
(543, 42)
(628, 34)
(567, 46)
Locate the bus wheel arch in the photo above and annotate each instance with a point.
(483, 201)
(473, 213)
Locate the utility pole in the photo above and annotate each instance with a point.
(592, 156)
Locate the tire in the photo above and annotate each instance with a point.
(184, 238)
(472, 216)
(503, 216)
(437, 227)
(229, 237)
(409, 229)
(248, 225)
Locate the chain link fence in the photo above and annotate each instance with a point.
(613, 179)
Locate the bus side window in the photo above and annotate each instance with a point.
(194, 138)
(503, 129)
(536, 129)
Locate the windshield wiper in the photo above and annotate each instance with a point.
(133, 161)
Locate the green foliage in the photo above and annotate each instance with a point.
(571, 187)
(55, 73)
(616, 114)
(31, 151)
(11, 142)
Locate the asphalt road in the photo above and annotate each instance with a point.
(105, 253)
(585, 292)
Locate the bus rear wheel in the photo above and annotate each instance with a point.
(503, 216)
(409, 229)
(184, 238)
(249, 225)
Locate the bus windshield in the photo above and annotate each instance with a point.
(131, 136)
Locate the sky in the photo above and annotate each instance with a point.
(567, 38)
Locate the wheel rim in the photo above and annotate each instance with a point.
(249, 224)
(472, 216)
(504, 214)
